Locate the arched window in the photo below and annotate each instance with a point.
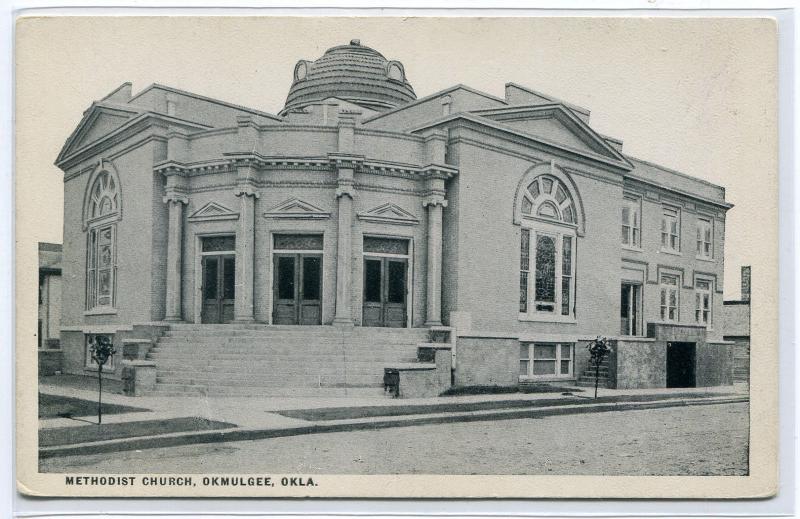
(102, 210)
(548, 216)
(103, 197)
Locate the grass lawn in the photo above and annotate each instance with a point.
(55, 406)
(111, 431)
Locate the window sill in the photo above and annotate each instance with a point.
(670, 252)
(704, 258)
(632, 248)
(101, 311)
(547, 319)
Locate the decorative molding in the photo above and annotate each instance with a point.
(213, 211)
(389, 213)
(296, 209)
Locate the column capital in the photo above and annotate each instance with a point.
(434, 200)
(177, 197)
(246, 190)
(346, 190)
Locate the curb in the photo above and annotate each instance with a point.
(154, 442)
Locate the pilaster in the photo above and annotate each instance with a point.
(245, 244)
(175, 198)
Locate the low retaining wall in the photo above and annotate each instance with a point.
(487, 361)
(50, 361)
(132, 343)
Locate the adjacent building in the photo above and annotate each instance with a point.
(49, 322)
(362, 216)
(736, 326)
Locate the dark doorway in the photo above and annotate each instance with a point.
(681, 364)
(219, 288)
(297, 287)
(385, 287)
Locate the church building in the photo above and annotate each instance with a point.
(364, 239)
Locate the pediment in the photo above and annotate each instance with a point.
(389, 213)
(297, 209)
(97, 122)
(554, 124)
(213, 211)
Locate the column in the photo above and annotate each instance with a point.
(435, 205)
(344, 249)
(245, 259)
(174, 256)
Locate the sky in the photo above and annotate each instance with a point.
(696, 95)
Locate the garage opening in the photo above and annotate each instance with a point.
(681, 364)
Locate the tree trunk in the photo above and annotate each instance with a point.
(596, 378)
(100, 395)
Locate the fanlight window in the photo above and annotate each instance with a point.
(104, 199)
(547, 197)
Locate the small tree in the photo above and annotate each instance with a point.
(102, 349)
(598, 349)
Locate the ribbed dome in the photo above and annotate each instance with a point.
(353, 73)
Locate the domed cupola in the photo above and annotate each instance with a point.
(353, 73)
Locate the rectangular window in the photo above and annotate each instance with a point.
(101, 267)
(705, 238)
(546, 360)
(631, 309)
(524, 269)
(631, 222)
(702, 302)
(669, 298)
(670, 229)
(90, 341)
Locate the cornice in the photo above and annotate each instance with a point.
(124, 132)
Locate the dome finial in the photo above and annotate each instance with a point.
(355, 42)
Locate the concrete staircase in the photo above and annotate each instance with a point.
(587, 377)
(262, 360)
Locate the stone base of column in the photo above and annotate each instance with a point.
(243, 320)
(173, 320)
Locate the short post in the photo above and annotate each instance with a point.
(598, 349)
(102, 350)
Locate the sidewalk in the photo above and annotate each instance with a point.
(253, 418)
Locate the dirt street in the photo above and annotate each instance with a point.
(701, 440)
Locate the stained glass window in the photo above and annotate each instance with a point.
(566, 274)
(547, 262)
(545, 273)
(100, 267)
(104, 197)
(524, 269)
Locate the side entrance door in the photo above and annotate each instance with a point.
(219, 288)
(385, 292)
(297, 289)
(681, 364)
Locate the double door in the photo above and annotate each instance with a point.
(297, 287)
(218, 288)
(385, 292)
